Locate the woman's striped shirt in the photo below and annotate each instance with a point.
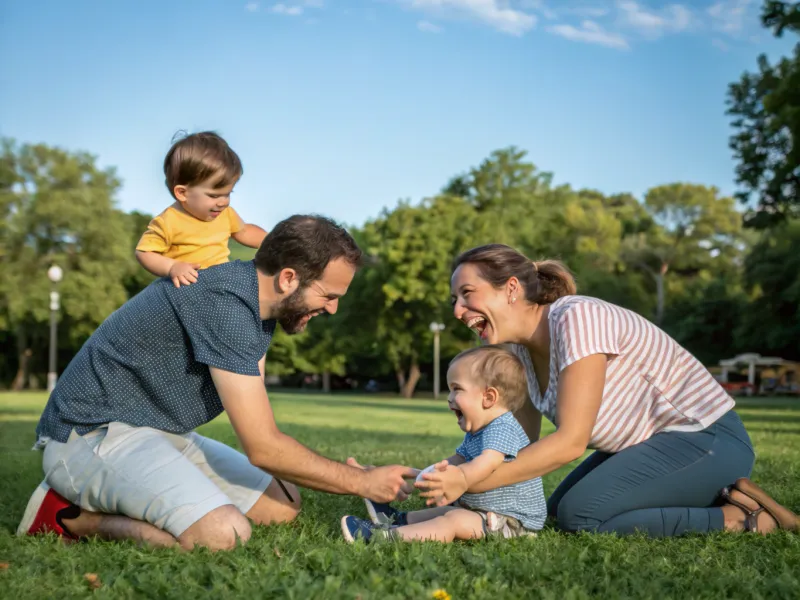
(652, 383)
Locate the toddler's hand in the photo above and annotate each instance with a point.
(443, 486)
(183, 273)
(429, 469)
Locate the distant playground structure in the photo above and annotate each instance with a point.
(752, 375)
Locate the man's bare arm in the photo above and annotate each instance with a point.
(247, 404)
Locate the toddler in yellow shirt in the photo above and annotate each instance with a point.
(192, 234)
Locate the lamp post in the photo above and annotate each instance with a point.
(436, 328)
(54, 274)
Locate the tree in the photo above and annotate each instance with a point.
(582, 232)
(693, 229)
(407, 286)
(771, 322)
(138, 277)
(706, 315)
(766, 107)
(322, 351)
(285, 354)
(512, 195)
(58, 208)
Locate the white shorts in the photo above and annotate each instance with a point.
(166, 479)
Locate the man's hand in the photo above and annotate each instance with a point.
(405, 490)
(388, 484)
(354, 463)
(183, 273)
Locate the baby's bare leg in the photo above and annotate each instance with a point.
(426, 514)
(455, 524)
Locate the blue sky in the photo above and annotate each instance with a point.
(342, 108)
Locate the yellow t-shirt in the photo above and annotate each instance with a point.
(177, 234)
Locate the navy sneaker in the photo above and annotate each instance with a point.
(354, 528)
(384, 514)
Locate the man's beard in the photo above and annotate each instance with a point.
(291, 312)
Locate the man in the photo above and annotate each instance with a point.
(121, 458)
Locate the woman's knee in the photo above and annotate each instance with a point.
(552, 506)
(574, 514)
(221, 529)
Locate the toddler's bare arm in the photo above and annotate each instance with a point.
(482, 466)
(163, 266)
(250, 235)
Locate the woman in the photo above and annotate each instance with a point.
(668, 444)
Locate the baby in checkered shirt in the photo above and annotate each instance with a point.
(487, 385)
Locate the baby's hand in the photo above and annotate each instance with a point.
(183, 273)
(429, 469)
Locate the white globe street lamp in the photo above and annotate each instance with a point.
(54, 274)
(436, 328)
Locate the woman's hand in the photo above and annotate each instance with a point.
(443, 486)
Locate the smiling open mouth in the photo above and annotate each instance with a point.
(459, 414)
(478, 325)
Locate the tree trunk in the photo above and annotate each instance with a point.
(407, 390)
(401, 376)
(326, 382)
(24, 356)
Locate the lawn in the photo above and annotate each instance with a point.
(309, 559)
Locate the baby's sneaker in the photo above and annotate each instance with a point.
(384, 514)
(354, 528)
(494, 522)
(508, 527)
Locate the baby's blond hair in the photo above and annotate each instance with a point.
(498, 367)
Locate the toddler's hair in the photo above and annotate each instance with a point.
(198, 158)
(497, 366)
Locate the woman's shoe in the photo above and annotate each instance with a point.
(785, 518)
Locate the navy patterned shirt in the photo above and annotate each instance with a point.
(524, 500)
(148, 364)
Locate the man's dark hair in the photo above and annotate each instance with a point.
(306, 243)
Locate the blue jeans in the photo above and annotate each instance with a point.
(664, 486)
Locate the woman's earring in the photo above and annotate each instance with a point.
(514, 299)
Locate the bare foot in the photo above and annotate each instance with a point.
(735, 516)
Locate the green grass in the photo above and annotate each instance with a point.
(308, 559)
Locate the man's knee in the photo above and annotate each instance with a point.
(288, 509)
(278, 504)
(221, 529)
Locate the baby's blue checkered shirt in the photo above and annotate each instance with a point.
(525, 500)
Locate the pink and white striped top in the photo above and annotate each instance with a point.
(652, 383)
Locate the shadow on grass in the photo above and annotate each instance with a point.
(438, 407)
(773, 402)
(767, 418)
(20, 410)
(774, 430)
